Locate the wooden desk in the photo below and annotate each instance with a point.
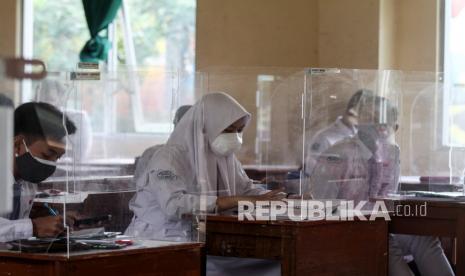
(150, 258)
(442, 219)
(305, 247)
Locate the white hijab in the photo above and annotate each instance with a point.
(207, 119)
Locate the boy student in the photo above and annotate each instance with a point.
(40, 130)
(366, 167)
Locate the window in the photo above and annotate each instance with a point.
(128, 111)
(454, 73)
(162, 34)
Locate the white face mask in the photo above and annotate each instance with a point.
(227, 143)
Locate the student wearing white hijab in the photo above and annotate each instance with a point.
(197, 159)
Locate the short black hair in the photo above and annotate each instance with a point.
(39, 120)
(356, 98)
(365, 99)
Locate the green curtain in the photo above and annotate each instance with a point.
(99, 14)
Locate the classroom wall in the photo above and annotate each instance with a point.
(9, 42)
(9, 36)
(417, 45)
(348, 33)
(410, 35)
(363, 34)
(256, 33)
(294, 33)
(413, 37)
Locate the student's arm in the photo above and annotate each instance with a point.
(245, 191)
(229, 202)
(42, 227)
(15, 229)
(244, 185)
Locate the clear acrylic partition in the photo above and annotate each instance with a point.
(6, 140)
(271, 153)
(433, 156)
(352, 133)
(14, 203)
(109, 171)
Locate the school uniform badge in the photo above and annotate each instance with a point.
(166, 175)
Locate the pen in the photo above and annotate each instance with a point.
(50, 210)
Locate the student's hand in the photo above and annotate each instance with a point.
(47, 227)
(277, 194)
(272, 182)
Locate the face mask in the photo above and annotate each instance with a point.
(375, 133)
(227, 143)
(34, 169)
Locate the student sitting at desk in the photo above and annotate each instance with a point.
(38, 143)
(200, 150)
(367, 167)
(198, 158)
(344, 127)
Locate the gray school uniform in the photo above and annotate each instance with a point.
(324, 139)
(349, 170)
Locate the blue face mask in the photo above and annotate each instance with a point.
(34, 169)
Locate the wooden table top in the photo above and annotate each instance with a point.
(437, 202)
(279, 221)
(140, 247)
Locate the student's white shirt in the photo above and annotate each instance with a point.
(324, 139)
(21, 228)
(346, 171)
(166, 191)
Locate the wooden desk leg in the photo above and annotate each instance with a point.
(285, 269)
(460, 247)
(203, 256)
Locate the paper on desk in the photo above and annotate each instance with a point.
(88, 233)
(68, 198)
(444, 195)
